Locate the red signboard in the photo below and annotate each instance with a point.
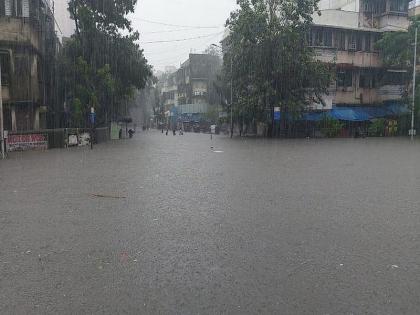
(27, 142)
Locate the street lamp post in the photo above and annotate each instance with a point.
(414, 87)
(231, 90)
(3, 155)
(231, 96)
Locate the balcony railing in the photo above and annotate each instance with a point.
(360, 59)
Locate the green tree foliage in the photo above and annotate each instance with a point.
(102, 63)
(272, 64)
(397, 47)
(397, 50)
(330, 127)
(377, 128)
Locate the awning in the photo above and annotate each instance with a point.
(394, 109)
(315, 116)
(350, 114)
(359, 113)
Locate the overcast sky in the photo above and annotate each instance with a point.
(64, 25)
(209, 14)
(202, 20)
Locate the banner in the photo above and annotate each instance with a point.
(27, 142)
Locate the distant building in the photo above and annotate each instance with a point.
(195, 81)
(414, 8)
(189, 92)
(27, 48)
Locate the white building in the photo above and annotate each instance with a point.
(345, 34)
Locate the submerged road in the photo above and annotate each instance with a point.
(165, 225)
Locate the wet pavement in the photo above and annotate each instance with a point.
(165, 225)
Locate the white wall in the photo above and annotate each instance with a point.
(337, 18)
(345, 5)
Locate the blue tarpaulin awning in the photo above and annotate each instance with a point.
(350, 114)
(314, 116)
(397, 109)
(358, 113)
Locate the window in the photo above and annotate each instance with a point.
(367, 79)
(2, 8)
(321, 38)
(5, 68)
(399, 6)
(368, 43)
(340, 40)
(19, 8)
(359, 42)
(22, 67)
(344, 78)
(394, 78)
(352, 42)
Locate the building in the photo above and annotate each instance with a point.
(188, 94)
(345, 34)
(414, 8)
(195, 81)
(169, 90)
(27, 45)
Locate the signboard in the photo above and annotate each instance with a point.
(115, 131)
(27, 142)
(73, 140)
(277, 114)
(84, 139)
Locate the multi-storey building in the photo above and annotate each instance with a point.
(345, 34)
(190, 91)
(195, 79)
(27, 48)
(169, 90)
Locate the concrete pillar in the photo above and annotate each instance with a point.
(36, 119)
(13, 114)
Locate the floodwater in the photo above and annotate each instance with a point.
(170, 225)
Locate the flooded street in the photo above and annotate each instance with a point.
(189, 225)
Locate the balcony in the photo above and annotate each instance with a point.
(19, 30)
(391, 92)
(365, 96)
(358, 59)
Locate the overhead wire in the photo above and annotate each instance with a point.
(181, 48)
(181, 39)
(175, 59)
(177, 25)
(169, 31)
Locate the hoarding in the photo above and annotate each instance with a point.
(27, 142)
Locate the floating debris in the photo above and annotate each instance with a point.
(110, 196)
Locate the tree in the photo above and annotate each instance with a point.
(397, 50)
(213, 51)
(102, 64)
(272, 64)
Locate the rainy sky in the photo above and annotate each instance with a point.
(188, 25)
(202, 20)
